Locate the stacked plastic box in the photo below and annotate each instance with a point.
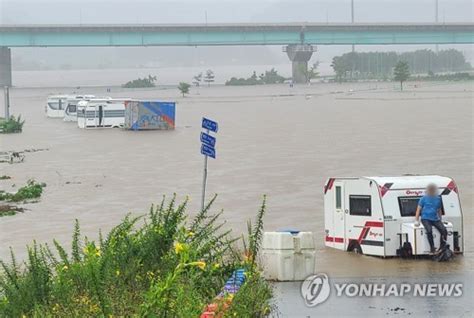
(224, 299)
(288, 255)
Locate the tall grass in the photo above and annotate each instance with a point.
(158, 265)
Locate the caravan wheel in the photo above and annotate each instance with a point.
(355, 248)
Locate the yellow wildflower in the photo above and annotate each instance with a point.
(97, 253)
(117, 273)
(178, 247)
(190, 234)
(216, 265)
(199, 264)
(65, 268)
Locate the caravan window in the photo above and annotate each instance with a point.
(338, 197)
(360, 205)
(408, 205)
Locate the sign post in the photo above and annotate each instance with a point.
(208, 143)
(6, 93)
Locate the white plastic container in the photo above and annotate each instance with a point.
(418, 239)
(287, 256)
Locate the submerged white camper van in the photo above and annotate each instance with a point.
(55, 106)
(70, 111)
(105, 113)
(376, 215)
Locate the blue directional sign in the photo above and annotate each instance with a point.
(208, 139)
(209, 124)
(208, 151)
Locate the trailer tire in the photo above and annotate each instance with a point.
(355, 248)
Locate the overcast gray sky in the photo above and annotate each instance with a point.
(194, 11)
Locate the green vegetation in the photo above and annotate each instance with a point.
(184, 88)
(141, 82)
(32, 190)
(269, 77)
(159, 265)
(12, 125)
(401, 73)
(8, 210)
(5, 177)
(379, 65)
(462, 76)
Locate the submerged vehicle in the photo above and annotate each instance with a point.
(58, 106)
(70, 111)
(376, 215)
(55, 106)
(101, 113)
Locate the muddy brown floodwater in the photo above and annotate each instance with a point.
(272, 140)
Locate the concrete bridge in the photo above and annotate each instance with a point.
(298, 38)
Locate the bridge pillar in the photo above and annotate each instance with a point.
(299, 55)
(5, 66)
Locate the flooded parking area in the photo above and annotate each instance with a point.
(275, 140)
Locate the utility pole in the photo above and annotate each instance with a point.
(6, 94)
(437, 20)
(352, 20)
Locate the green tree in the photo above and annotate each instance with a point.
(184, 88)
(401, 73)
(340, 66)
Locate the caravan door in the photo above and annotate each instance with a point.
(339, 216)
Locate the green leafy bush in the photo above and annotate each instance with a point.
(159, 265)
(32, 190)
(141, 82)
(12, 125)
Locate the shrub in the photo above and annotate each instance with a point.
(159, 265)
(32, 190)
(12, 125)
(141, 82)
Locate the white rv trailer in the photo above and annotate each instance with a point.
(70, 111)
(55, 106)
(376, 215)
(103, 113)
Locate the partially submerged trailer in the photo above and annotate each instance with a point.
(55, 106)
(376, 215)
(58, 105)
(101, 113)
(148, 115)
(70, 111)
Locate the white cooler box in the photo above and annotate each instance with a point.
(418, 239)
(287, 256)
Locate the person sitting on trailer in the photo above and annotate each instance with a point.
(429, 207)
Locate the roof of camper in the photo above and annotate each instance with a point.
(412, 181)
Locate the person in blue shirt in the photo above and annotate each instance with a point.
(429, 208)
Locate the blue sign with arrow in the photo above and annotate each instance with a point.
(209, 124)
(208, 151)
(208, 139)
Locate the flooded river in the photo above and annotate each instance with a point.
(275, 140)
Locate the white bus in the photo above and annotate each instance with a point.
(103, 113)
(376, 215)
